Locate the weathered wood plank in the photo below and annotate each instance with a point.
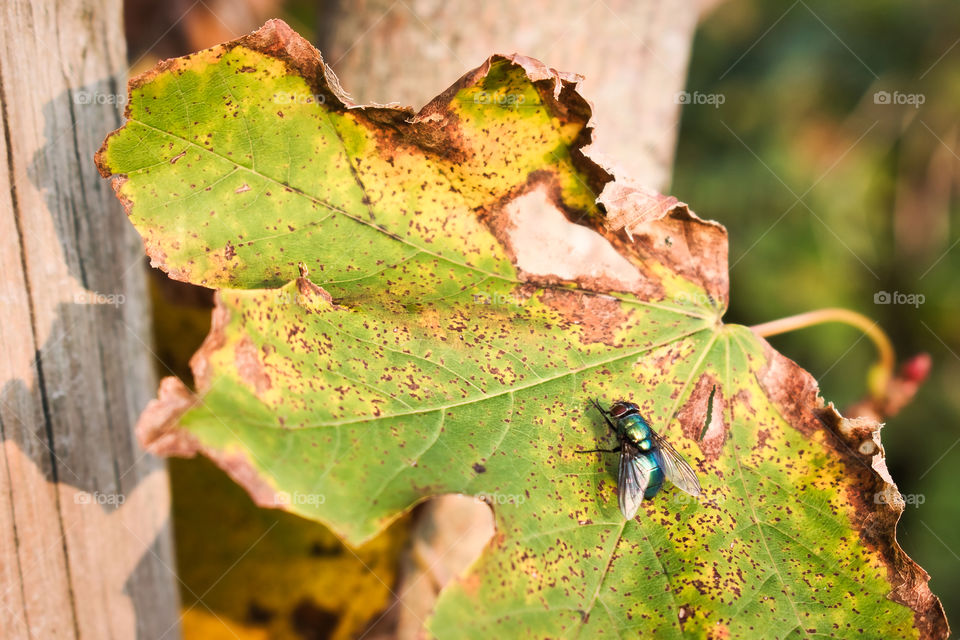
(84, 537)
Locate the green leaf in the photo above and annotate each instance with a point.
(419, 304)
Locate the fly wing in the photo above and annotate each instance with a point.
(632, 481)
(676, 469)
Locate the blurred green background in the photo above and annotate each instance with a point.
(830, 198)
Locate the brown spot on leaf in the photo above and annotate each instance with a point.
(598, 317)
(471, 583)
(698, 409)
(861, 434)
(762, 436)
(157, 428)
(665, 230)
(630, 207)
(311, 291)
(240, 467)
(792, 390)
(719, 631)
(248, 364)
(159, 434)
(215, 340)
(683, 612)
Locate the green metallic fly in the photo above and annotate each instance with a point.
(646, 458)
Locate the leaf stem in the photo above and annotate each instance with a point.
(880, 374)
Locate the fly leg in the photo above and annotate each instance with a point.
(604, 414)
(609, 424)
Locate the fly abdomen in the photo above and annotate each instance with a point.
(648, 462)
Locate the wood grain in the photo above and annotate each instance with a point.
(85, 547)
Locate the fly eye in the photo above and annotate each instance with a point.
(618, 410)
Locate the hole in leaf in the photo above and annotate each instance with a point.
(706, 422)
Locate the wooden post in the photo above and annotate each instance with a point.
(85, 546)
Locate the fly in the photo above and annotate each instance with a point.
(646, 458)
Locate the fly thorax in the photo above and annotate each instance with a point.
(636, 430)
